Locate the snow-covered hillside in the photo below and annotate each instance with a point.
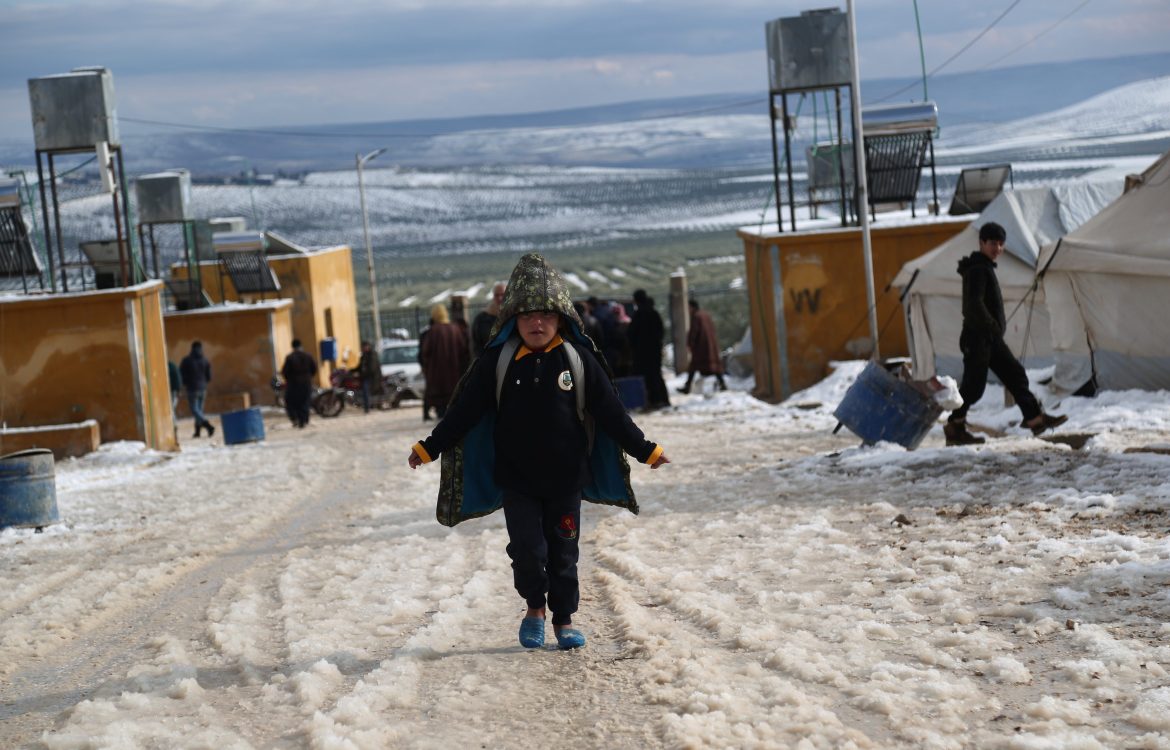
(1136, 115)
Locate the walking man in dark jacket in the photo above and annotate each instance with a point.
(298, 372)
(370, 371)
(195, 371)
(982, 344)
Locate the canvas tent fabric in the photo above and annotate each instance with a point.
(933, 304)
(1107, 285)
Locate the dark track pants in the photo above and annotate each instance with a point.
(980, 355)
(543, 542)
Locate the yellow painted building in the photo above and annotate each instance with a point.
(101, 355)
(245, 345)
(808, 301)
(321, 286)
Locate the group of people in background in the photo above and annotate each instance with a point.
(631, 345)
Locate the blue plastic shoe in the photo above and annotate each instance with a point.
(568, 638)
(532, 632)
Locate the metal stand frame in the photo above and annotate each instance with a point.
(194, 273)
(121, 217)
(846, 214)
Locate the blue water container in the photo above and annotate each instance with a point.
(28, 489)
(632, 391)
(243, 426)
(881, 407)
(328, 349)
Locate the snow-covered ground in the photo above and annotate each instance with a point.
(783, 587)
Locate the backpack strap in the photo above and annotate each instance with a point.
(507, 351)
(577, 368)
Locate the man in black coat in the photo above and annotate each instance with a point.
(982, 344)
(298, 372)
(481, 326)
(646, 333)
(195, 371)
(370, 371)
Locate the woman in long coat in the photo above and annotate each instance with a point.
(704, 348)
(444, 355)
(646, 333)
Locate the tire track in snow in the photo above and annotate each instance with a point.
(105, 662)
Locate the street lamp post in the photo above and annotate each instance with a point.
(361, 160)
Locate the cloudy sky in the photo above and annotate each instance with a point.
(248, 63)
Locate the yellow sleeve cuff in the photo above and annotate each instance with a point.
(654, 456)
(421, 452)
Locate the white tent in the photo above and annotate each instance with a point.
(1108, 288)
(934, 300)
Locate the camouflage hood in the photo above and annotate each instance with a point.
(535, 285)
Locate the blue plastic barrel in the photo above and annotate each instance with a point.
(28, 489)
(632, 392)
(243, 426)
(880, 407)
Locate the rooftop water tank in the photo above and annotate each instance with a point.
(164, 197)
(809, 51)
(73, 111)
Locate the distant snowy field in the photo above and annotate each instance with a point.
(783, 587)
(439, 211)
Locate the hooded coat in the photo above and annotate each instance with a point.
(483, 451)
(195, 370)
(983, 314)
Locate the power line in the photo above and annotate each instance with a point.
(953, 57)
(1063, 18)
(256, 131)
(328, 134)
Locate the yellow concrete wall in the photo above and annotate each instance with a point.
(822, 281)
(244, 343)
(320, 285)
(95, 355)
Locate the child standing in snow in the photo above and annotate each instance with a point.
(535, 426)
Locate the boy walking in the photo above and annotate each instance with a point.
(982, 344)
(535, 426)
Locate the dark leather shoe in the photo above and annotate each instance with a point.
(1045, 422)
(957, 434)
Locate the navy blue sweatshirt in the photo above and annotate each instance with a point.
(541, 445)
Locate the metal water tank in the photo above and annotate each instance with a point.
(164, 196)
(106, 258)
(228, 224)
(891, 119)
(809, 51)
(73, 111)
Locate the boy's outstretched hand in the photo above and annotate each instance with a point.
(414, 460)
(660, 460)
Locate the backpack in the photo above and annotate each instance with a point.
(576, 368)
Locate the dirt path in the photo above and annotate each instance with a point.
(773, 592)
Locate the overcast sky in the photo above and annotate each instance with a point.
(292, 62)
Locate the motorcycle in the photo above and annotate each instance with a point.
(349, 384)
(327, 402)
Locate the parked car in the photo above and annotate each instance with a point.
(401, 357)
